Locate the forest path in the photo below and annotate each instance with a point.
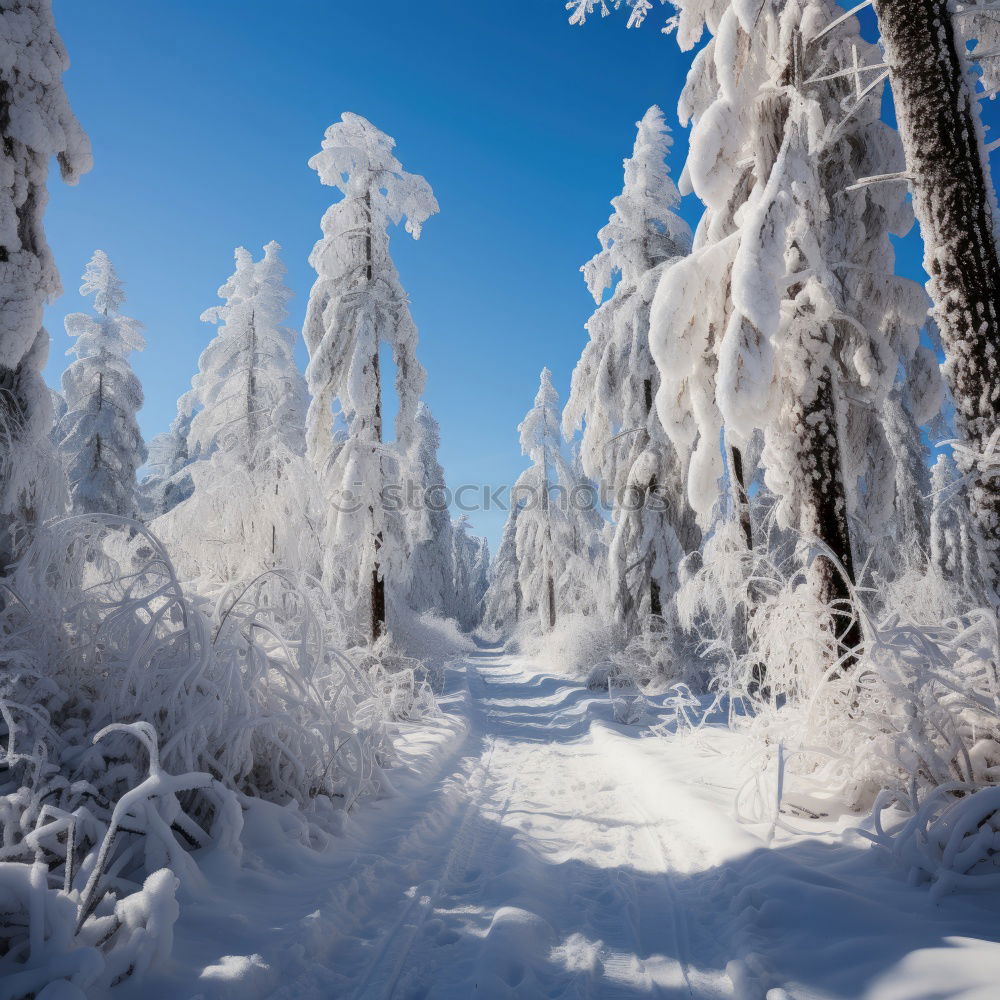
(530, 868)
(533, 848)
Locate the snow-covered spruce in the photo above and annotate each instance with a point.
(98, 435)
(623, 446)
(36, 123)
(788, 317)
(253, 502)
(953, 549)
(502, 602)
(356, 305)
(558, 527)
(470, 572)
(432, 577)
(168, 479)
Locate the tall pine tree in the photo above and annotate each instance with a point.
(623, 445)
(357, 304)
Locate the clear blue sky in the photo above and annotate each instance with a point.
(203, 115)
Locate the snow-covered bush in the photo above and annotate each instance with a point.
(578, 645)
(243, 697)
(251, 690)
(919, 708)
(88, 887)
(429, 637)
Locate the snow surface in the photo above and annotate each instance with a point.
(534, 847)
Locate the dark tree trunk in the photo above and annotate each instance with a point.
(824, 511)
(378, 580)
(741, 495)
(655, 604)
(937, 118)
(655, 601)
(552, 601)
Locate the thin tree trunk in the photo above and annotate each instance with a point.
(741, 496)
(655, 602)
(953, 200)
(378, 580)
(552, 601)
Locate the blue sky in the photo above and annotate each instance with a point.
(203, 115)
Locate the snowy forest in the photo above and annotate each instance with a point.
(720, 716)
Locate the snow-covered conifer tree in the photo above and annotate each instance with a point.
(955, 203)
(98, 435)
(251, 486)
(787, 317)
(557, 528)
(168, 480)
(36, 123)
(470, 567)
(357, 304)
(911, 522)
(251, 396)
(431, 575)
(623, 445)
(502, 603)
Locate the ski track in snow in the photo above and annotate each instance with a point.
(532, 848)
(528, 871)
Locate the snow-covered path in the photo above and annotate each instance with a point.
(535, 849)
(534, 871)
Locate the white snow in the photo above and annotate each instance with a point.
(533, 847)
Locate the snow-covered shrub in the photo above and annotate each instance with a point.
(403, 685)
(578, 645)
(657, 656)
(244, 696)
(917, 710)
(252, 690)
(951, 842)
(429, 637)
(87, 889)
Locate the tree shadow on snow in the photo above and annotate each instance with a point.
(809, 917)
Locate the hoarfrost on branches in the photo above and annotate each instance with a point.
(623, 445)
(36, 123)
(357, 304)
(253, 501)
